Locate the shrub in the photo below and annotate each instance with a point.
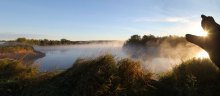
(15, 70)
(102, 76)
(196, 77)
(15, 48)
(14, 77)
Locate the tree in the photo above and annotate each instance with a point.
(21, 40)
(135, 38)
(64, 41)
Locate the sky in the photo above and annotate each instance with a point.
(102, 19)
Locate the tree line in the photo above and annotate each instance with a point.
(46, 42)
(137, 40)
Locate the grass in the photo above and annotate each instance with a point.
(196, 77)
(95, 77)
(15, 77)
(21, 52)
(14, 70)
(15, 48)
(12, 73)
(104, 76)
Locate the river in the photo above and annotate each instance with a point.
(63, 57)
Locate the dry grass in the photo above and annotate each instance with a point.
(196, 77)
(104, 76)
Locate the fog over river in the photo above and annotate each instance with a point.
(63, 57)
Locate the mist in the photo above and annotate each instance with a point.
(162, 55)
(62, 57)
(157, 59)
(168, 56)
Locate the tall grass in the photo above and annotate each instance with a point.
(16, 77)
(15, 48)
(15, 70)
(104, 76)
(20, 52)
(12, 75)
(98, 77)
(196, 77)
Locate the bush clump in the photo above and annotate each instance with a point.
(99, 77)
(105, 76)
(15, 70)
(15, 48)
(14, 77)
(196, 77)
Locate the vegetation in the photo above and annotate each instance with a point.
(46, 42)
(98, 77)
(43, 42)
(136, 40)
(149, 47)
(106, 76)
(196, 77)
(101, 76)
(15, 70)
(15, 48)
(14, 77)
(20, 52)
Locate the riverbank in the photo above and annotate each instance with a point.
(21, 52)
(104, 76)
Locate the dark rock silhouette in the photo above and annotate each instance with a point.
(210, 43)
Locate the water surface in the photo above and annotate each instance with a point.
(63, 57)
(1, 43)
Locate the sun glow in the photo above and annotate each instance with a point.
(202, 54)
(196, 29)
(200, 32)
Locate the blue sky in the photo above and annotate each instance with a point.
(102, 19)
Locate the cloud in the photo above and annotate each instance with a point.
(168, 19)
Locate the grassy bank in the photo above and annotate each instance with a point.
(104, 76)
(196, 77)
(19, 52)
(101, 76)
(98, 77)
